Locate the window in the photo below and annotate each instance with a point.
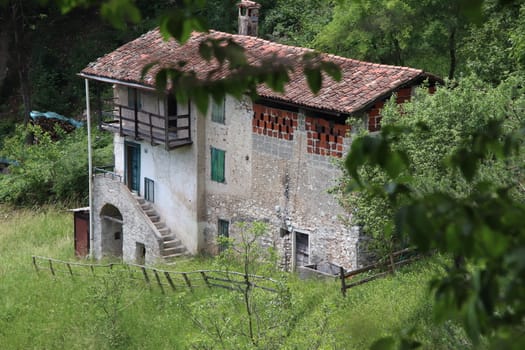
(172, 111)
(132, 94)
(217, 111)
(223, 228)
(217, 165)
(149, 190)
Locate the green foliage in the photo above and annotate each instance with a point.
(50, 171)
(108, 295)
(417, 145)
(296, 22)
(399, 32)
(488, 49)
(53, 74)
(461, 194)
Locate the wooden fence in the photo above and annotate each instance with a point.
(153, 277)
(383, 268)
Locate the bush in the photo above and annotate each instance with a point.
(49, 171)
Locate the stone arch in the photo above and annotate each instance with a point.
(111, 229)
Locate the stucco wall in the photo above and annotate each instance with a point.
(174, 174)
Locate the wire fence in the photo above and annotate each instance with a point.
(157, 278)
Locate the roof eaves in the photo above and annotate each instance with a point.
(389, 92)
(115, 81)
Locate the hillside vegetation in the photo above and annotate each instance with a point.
(84, 312)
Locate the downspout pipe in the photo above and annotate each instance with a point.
(90, 170)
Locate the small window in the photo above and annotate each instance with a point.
(134, 97)
(217, 111)
(223, 228)
(140, 253)
(217, 165)
(172, 111)
(149, 190)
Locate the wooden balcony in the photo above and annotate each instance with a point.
(171, 131)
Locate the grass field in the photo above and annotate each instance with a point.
(38, 311)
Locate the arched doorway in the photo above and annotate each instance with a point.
(112, 235)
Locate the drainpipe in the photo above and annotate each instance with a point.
(90, 171)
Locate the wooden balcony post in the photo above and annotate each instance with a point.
(166, 124)
(136, 114)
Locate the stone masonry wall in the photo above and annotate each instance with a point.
(135, 227)
(288, 186)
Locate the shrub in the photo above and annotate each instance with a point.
(49, 171)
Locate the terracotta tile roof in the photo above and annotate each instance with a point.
(361, 85)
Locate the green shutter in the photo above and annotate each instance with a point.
(217, 111)
(217, 164)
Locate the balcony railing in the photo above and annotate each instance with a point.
(107, 171)
(172, 131)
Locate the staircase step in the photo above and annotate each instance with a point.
(150, 212)
(164, 232)
(160, 225)
(175, 255)
(173, 250)
(171, 243)
(154, 218)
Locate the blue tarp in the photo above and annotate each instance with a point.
(8, 161)
(53, 115)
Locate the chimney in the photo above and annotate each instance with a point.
(248, 17)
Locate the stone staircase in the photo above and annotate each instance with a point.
(171, 247)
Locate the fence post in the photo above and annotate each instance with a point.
(392, 263)
(205, 278)
(34, 264)
(343, 280)
(145, 273)
(158, 281)
(69, 268)
(168, 278)
(187, 281)
(51, 267)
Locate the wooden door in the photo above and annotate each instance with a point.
(133, 166)
(81, 233)
(302, 249)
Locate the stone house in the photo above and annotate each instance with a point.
(181, 179)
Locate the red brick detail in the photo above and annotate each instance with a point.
(274, 122)
(405, 92)
(325, 137)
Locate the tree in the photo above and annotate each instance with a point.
(490, 49)
(422, 34)
(17, 17)
(296, 22)
(466, 203)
